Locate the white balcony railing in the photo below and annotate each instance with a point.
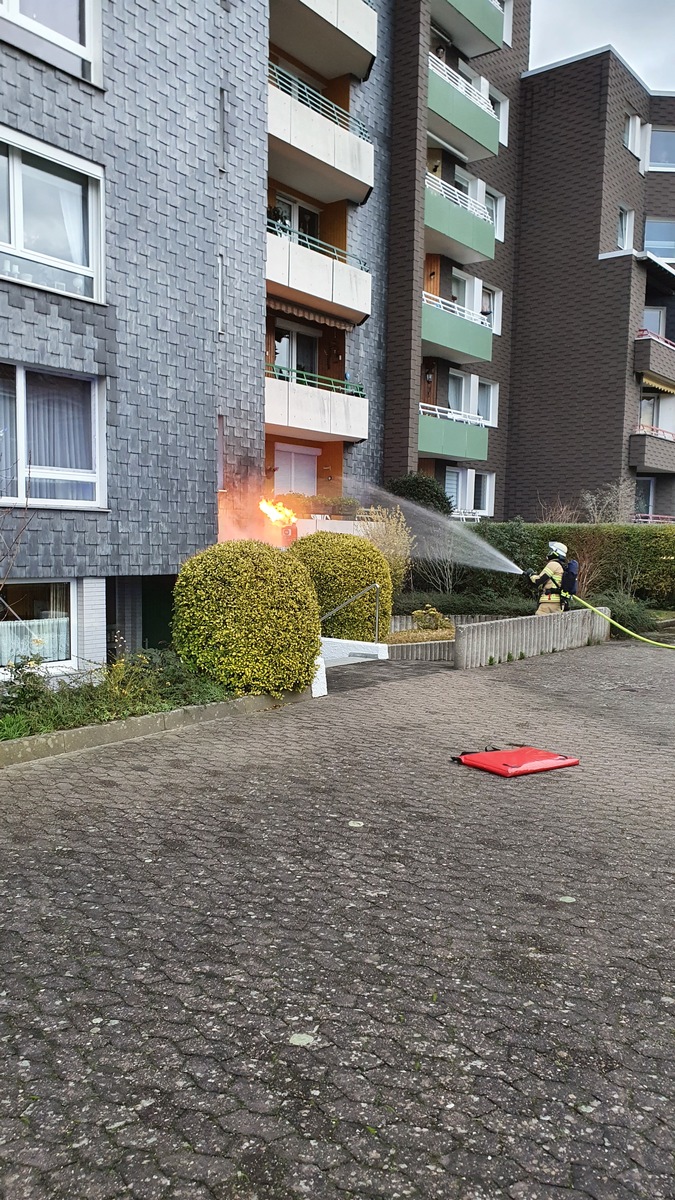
(457, 310)
(454, 195)
(451, 414)
(462, 85)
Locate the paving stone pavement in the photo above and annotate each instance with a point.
(301, 954)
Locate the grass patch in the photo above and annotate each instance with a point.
(134, 685)
(420, 635)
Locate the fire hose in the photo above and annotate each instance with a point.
(638, 636)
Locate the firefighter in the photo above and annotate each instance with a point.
(550, 580)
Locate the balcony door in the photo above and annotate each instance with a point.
(297, 220)
(644, 496)
(296, 353)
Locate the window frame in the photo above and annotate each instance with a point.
(97, 476)
(465, 392)
(55, 666)
(508, 22)
(665, 167)
(661, 221)
(503, 115)
(497, 309)
(499, 210)
(466, 482)
(625, 234)
(489, 509)
(295, 448)
(493, 421)
(89, 51)
(18, 144)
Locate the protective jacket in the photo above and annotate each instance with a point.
(550, 581)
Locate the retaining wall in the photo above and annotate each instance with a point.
(423, 652)
(476, 645)
(400, 624)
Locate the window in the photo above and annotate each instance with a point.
(65, 33)
(624, 233)
(508, 22)
(657, 412)
(644, 495)
(654, 319)
(456, 391)
(662, 151)
(471, 492)
(496, 206)
(500, 104)
(296, 352)
(36, 619)
(50, 450)
(290, 217)
(660, 237)
(491, 307)
(632, 134)
(488, 401)
(50, 218)
(295, 469)
(452, 486)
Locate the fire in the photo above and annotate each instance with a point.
(277, 513)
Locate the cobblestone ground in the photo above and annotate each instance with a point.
(301, 954)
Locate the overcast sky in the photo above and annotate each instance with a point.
(643, 32)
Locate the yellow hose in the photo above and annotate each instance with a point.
(637, 636)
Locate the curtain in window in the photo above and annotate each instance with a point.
(54, 212)
(58, 422)
(8, 448)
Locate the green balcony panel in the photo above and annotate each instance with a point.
(475, 26)
(447, 335)
(455, 231)
(457, 118)
(441, 438)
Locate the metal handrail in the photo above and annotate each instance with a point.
(311, 243)
(358, 596)
(458, 310)
(462, 85)
(451, 414)
(656, 431)
(309, 379)
(299, 90)
(456, 197)
(655, 337)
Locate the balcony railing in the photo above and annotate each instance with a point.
(454, 195)
(655, 337)
(462, 85)
(652, 519)
(655, 431)
(312, 243)
(498, 4)
(309, 379)
(299, 90)
(457, 310)
(451, 414)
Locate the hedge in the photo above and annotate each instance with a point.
(639, 559)
(340, 565)
(246, 614)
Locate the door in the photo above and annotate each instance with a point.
(644, 495)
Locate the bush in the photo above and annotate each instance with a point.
(303, 506)
(246, 615)
(388, 530)
(340, 565)
(423, 490)
(487, 603)
(430, 618)
(634, 614)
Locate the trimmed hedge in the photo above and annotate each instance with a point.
(340, 565)
(246, 615)
(456, 603)
(631, 558)
(421, 489)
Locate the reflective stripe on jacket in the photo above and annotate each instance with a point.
(550, 578)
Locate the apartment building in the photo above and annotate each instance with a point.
(454, 193)
(593, 379)
(193, 253)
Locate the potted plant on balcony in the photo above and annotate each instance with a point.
(277, 221)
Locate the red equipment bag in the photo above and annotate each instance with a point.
(524, 760)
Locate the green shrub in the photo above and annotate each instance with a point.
(303, 506)
(340, 565)
(456, 603)
(430, 618)
(246, 615)
(423, 490)
(624, 608)
(388, 530)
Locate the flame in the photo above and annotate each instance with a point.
(277, 513)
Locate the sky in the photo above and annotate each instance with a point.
(643, 32)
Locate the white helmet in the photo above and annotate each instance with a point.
(558, 548)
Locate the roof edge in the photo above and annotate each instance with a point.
(564, 62)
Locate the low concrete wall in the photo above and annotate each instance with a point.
(423, 652)
(523, 637)
(402, 624)
(338, 649)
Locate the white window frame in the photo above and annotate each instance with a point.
(89, 51)
(493, 420)
(645, 141)
(497, 308)
(98, 418)
(633, 142)
(465, 392)
(60, 665)
(625, 234)
(296, 448)
(18, 142)
(508, 22)
(665, 221)
(662, 318)
(500, 212)
(503, 115)
(661, 166)
(465, 490)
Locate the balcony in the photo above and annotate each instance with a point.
(315, 146)
(451, 331)
(456, 226)
(314, 406)
(652, 451)
(301, 268)
(475, 26)
(459, 114)
(338, 37)
(655, 356)
(444, 433)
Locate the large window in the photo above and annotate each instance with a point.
(50, 218)
(660, 237)
(50, 449)
(295, 469)
(662, 152)
(64, 32)
(472, 493)
(36, 621)
(296, 353)
(488, 401)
